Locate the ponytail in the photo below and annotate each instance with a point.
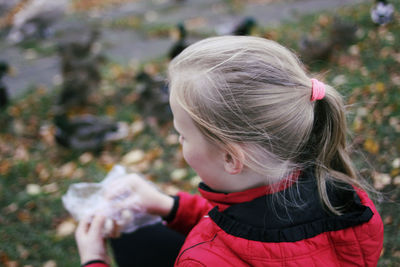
(333, 163)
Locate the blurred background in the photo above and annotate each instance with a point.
(83, 88)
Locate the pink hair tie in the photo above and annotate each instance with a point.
(317, 90)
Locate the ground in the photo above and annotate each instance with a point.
(35, 172)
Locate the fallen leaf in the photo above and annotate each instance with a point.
(381, 180)
(388, 220)
(86, 158)
(378, 87)
(50, 188)
(47, 133)
(4, 167)
(23, 252)
(153, 154)
(137, 127)
(194, 181)
(13, 207)
(132, 157)
(12, 264)
(395, 78)
(357, 124)
(170, 189)
(44, 174)
(396, 180)
(354, 50)
(178, 174)
(395, 123)
(172, 139)
(362, 112)
(24, 216)
(21, 153)
(50, 263)
(67, 170)
(339, 80)
(78, 173)
(33, 189)
(371, 146)
(66, 228)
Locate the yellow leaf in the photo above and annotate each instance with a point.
(394, 172)
(110, 110)
(380, 87)
(357, 124)
(371, 146)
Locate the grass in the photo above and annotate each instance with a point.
(35, 172)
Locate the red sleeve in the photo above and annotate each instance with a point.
(190, 210)
(97, 264)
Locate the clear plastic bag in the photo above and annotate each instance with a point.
(87, 199)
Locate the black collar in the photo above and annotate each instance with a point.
(293, 214)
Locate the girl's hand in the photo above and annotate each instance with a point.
(89, 238)
(135, 193)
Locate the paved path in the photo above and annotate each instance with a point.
(123, 45)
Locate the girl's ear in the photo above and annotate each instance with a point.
(233, 164)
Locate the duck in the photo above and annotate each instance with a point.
(153, 97)
(80, 70)
(86, 132)
(7, 5)
(382, 12)
(313, 50)
(245, 26)
(34, 18)
(4, 99)
(180, 43)
(342, 33)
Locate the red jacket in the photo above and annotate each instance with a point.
(245, 229)
(257, 227)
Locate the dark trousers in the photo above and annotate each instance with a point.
(154, 245)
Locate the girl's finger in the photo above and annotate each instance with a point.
(83, 226)
(97, 224)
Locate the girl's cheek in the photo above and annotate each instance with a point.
(187, 156)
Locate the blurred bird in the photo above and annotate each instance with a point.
(342, 33)
(86, 132)
(180, 43)
(34, 18)
(80, 69)
(382, 12)
(153, 100)
(4, 68)
(245, 26)
(7, 5)
(314, 50)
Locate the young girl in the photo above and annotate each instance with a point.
(269, 144)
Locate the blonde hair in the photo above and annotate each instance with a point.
(255, 92)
